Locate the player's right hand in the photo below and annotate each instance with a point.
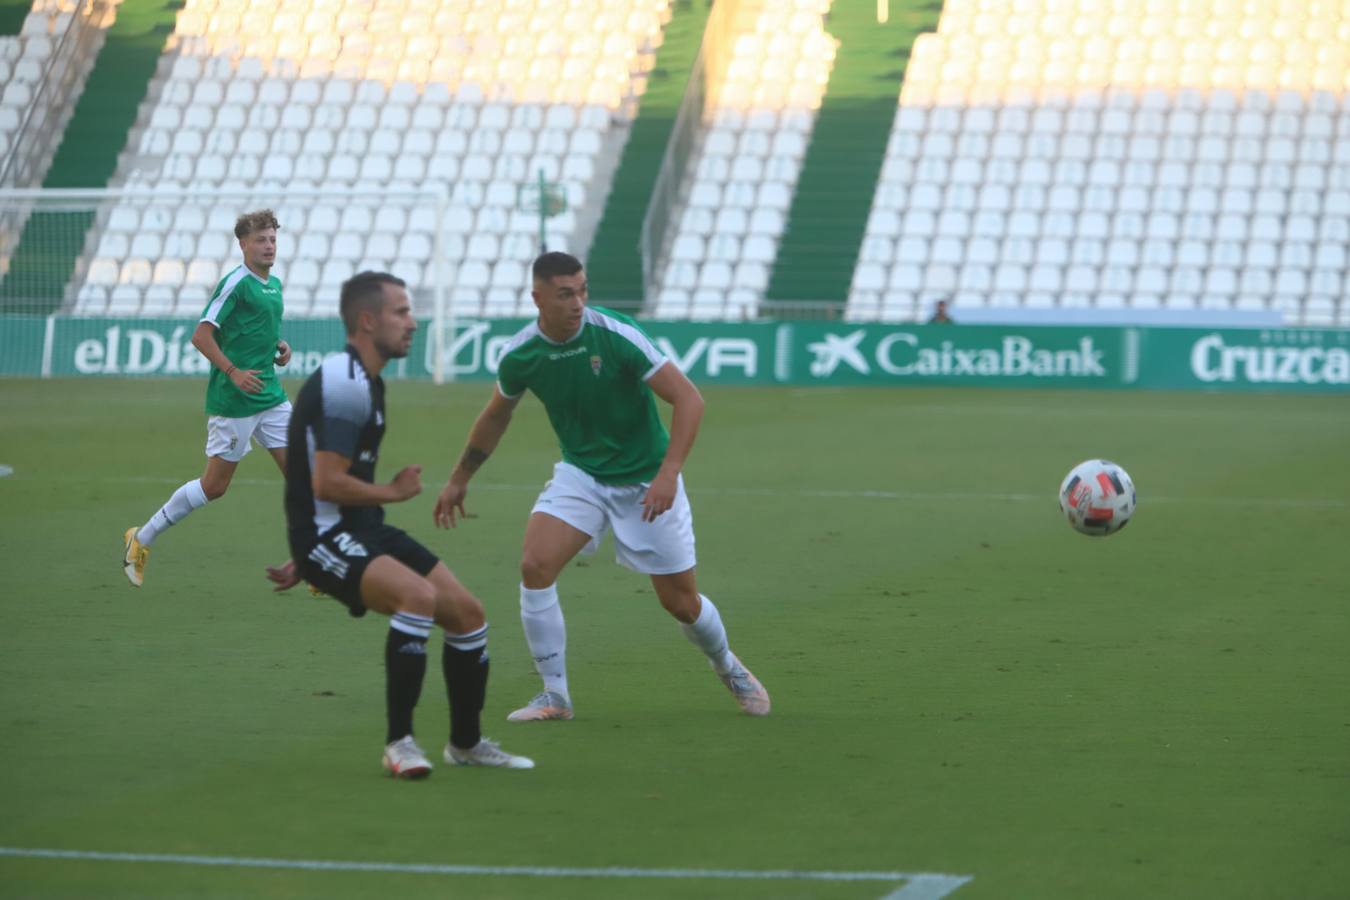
(246, 380)
(448, 503)
(408, 482)
(283, 576)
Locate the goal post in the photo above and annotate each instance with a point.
(142, 253)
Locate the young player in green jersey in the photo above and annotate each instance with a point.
(596, 373)
(240, 335)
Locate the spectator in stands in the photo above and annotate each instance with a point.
(940, 315)
(596, 373)
(240, 335)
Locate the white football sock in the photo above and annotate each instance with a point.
(546, 633)
(708, 635)
(184, 500)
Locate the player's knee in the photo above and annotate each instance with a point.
(464, 612)
(213, 489)
(419, 598)
(537, 572)
(683, 605)
(685, 609)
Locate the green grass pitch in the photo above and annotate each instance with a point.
(961, 683)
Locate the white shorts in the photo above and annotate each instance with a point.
(228, 438)
(663, 547)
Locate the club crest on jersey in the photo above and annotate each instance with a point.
(595, 364)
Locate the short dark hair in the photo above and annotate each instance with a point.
(258, 220)
(364, 292)
(555, 263)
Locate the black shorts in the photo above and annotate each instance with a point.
(336, 561)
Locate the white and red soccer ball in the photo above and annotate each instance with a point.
(1097, 497)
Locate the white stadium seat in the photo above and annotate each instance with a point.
(343, 112)
(1059, 151)
(1177, 193)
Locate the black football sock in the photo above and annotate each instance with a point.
(465, 666)
(405, 665)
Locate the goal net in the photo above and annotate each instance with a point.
(158, 254)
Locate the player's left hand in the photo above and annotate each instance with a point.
(283, 576)
(283, 353)
(450, 504)
(660, 496)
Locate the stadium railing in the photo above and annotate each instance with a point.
(699, 96)
(34, 140)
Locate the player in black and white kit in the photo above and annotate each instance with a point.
(341, 545)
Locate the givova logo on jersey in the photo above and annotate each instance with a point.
(566, 354)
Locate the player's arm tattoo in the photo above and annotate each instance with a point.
(472, 458)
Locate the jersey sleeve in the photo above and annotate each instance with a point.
(509, 380)
(222, 302)
(640, 354)
(346, 409)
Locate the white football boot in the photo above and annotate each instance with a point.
(545, 705)
(745, 688)
(486, 753)
(404, 759)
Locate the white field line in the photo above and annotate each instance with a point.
(805, 493)
(918, 885)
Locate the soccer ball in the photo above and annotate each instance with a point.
(1097, 497)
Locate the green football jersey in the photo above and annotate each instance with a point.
(246, 311)
(594, 388)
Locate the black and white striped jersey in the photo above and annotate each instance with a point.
(340, 409)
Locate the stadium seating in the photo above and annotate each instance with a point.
(44, 61)
(746, 166)
(1173, 154)
(1122, 155)
(379, 99)
(23, 62)
(27, 112)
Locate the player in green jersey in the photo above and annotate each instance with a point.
(596, 373)
(239, 334)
